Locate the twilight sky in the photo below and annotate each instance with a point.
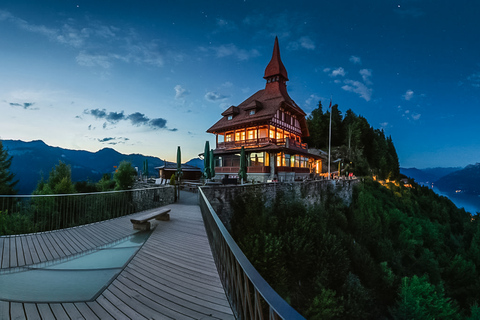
(145, 76)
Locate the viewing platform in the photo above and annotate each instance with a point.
(172, 276)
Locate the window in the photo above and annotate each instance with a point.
(252, 134)
(256, 159)
(252, 112)
(229, 117)
(229, 137)
(240, 136)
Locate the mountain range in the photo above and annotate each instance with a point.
(32, 160)
(454, 179)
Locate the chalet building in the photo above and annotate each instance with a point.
(189, 172)
(270, 125)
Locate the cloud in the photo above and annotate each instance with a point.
(158, 123)
(355, 60)
(416, 116)
(225, 25)
(137, 119)
(180, 92)
(214, 96)
(90, 60)
(113, 141)
(409, 13)
(231, 50)
(99, 45)
(474, 79)
(313, 98)
(408, 95)
(407, 114)
(302, 43)
(335, 72)
(359, 88)
(25, 105)
(366, 75)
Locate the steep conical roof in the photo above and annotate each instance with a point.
(275, 66)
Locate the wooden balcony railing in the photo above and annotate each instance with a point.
(262, 141)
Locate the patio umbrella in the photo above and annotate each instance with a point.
(179, 171)
(212, 164)
(145, 168)
(179, 163)
(242, 173)
(206, 161)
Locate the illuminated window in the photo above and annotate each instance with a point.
(256, 159)
(252, 134)
(240, 136)
(262, 132)
(229, 137)
(279, 134)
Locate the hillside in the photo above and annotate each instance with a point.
(33, 159)
(428, 175)
(393, 253)
(465, 180)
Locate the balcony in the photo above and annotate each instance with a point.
(292, 144)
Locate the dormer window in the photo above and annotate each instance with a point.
(252, 112)
(229, 117)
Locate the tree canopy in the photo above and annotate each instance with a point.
(394, 252)
(124, 176)
(354, 141)
(7, 182)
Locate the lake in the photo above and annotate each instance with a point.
(470, 203)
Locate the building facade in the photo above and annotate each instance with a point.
(270, 126)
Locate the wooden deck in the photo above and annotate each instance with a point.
(173, 276)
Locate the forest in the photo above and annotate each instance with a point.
(397, 251)
(393, 253)
(363, 149)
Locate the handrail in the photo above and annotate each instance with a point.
(20, 214)
(239, 276)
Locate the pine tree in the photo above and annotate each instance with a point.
(7, 184)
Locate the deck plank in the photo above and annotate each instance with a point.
(5, 262)
(99, 311)
(45, 311)
(4, 310)
(31, 311)
(17, 311)
(13, 252)
(38, 248)
(173, 276)
(58, 311)
(20, 251)
(32, 249)
(26, 251)
(43, 247)
(86, 312)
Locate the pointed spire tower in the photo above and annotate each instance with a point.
(275, 72)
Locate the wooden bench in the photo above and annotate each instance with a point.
(142, 222)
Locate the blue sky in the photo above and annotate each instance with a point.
(146, 76)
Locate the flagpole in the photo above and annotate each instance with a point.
(329, 136)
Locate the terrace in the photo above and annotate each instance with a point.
(188, 268)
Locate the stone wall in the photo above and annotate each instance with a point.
(152, 196)
(220, 197)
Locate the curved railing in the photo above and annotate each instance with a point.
(21, 214)
(250, 296)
